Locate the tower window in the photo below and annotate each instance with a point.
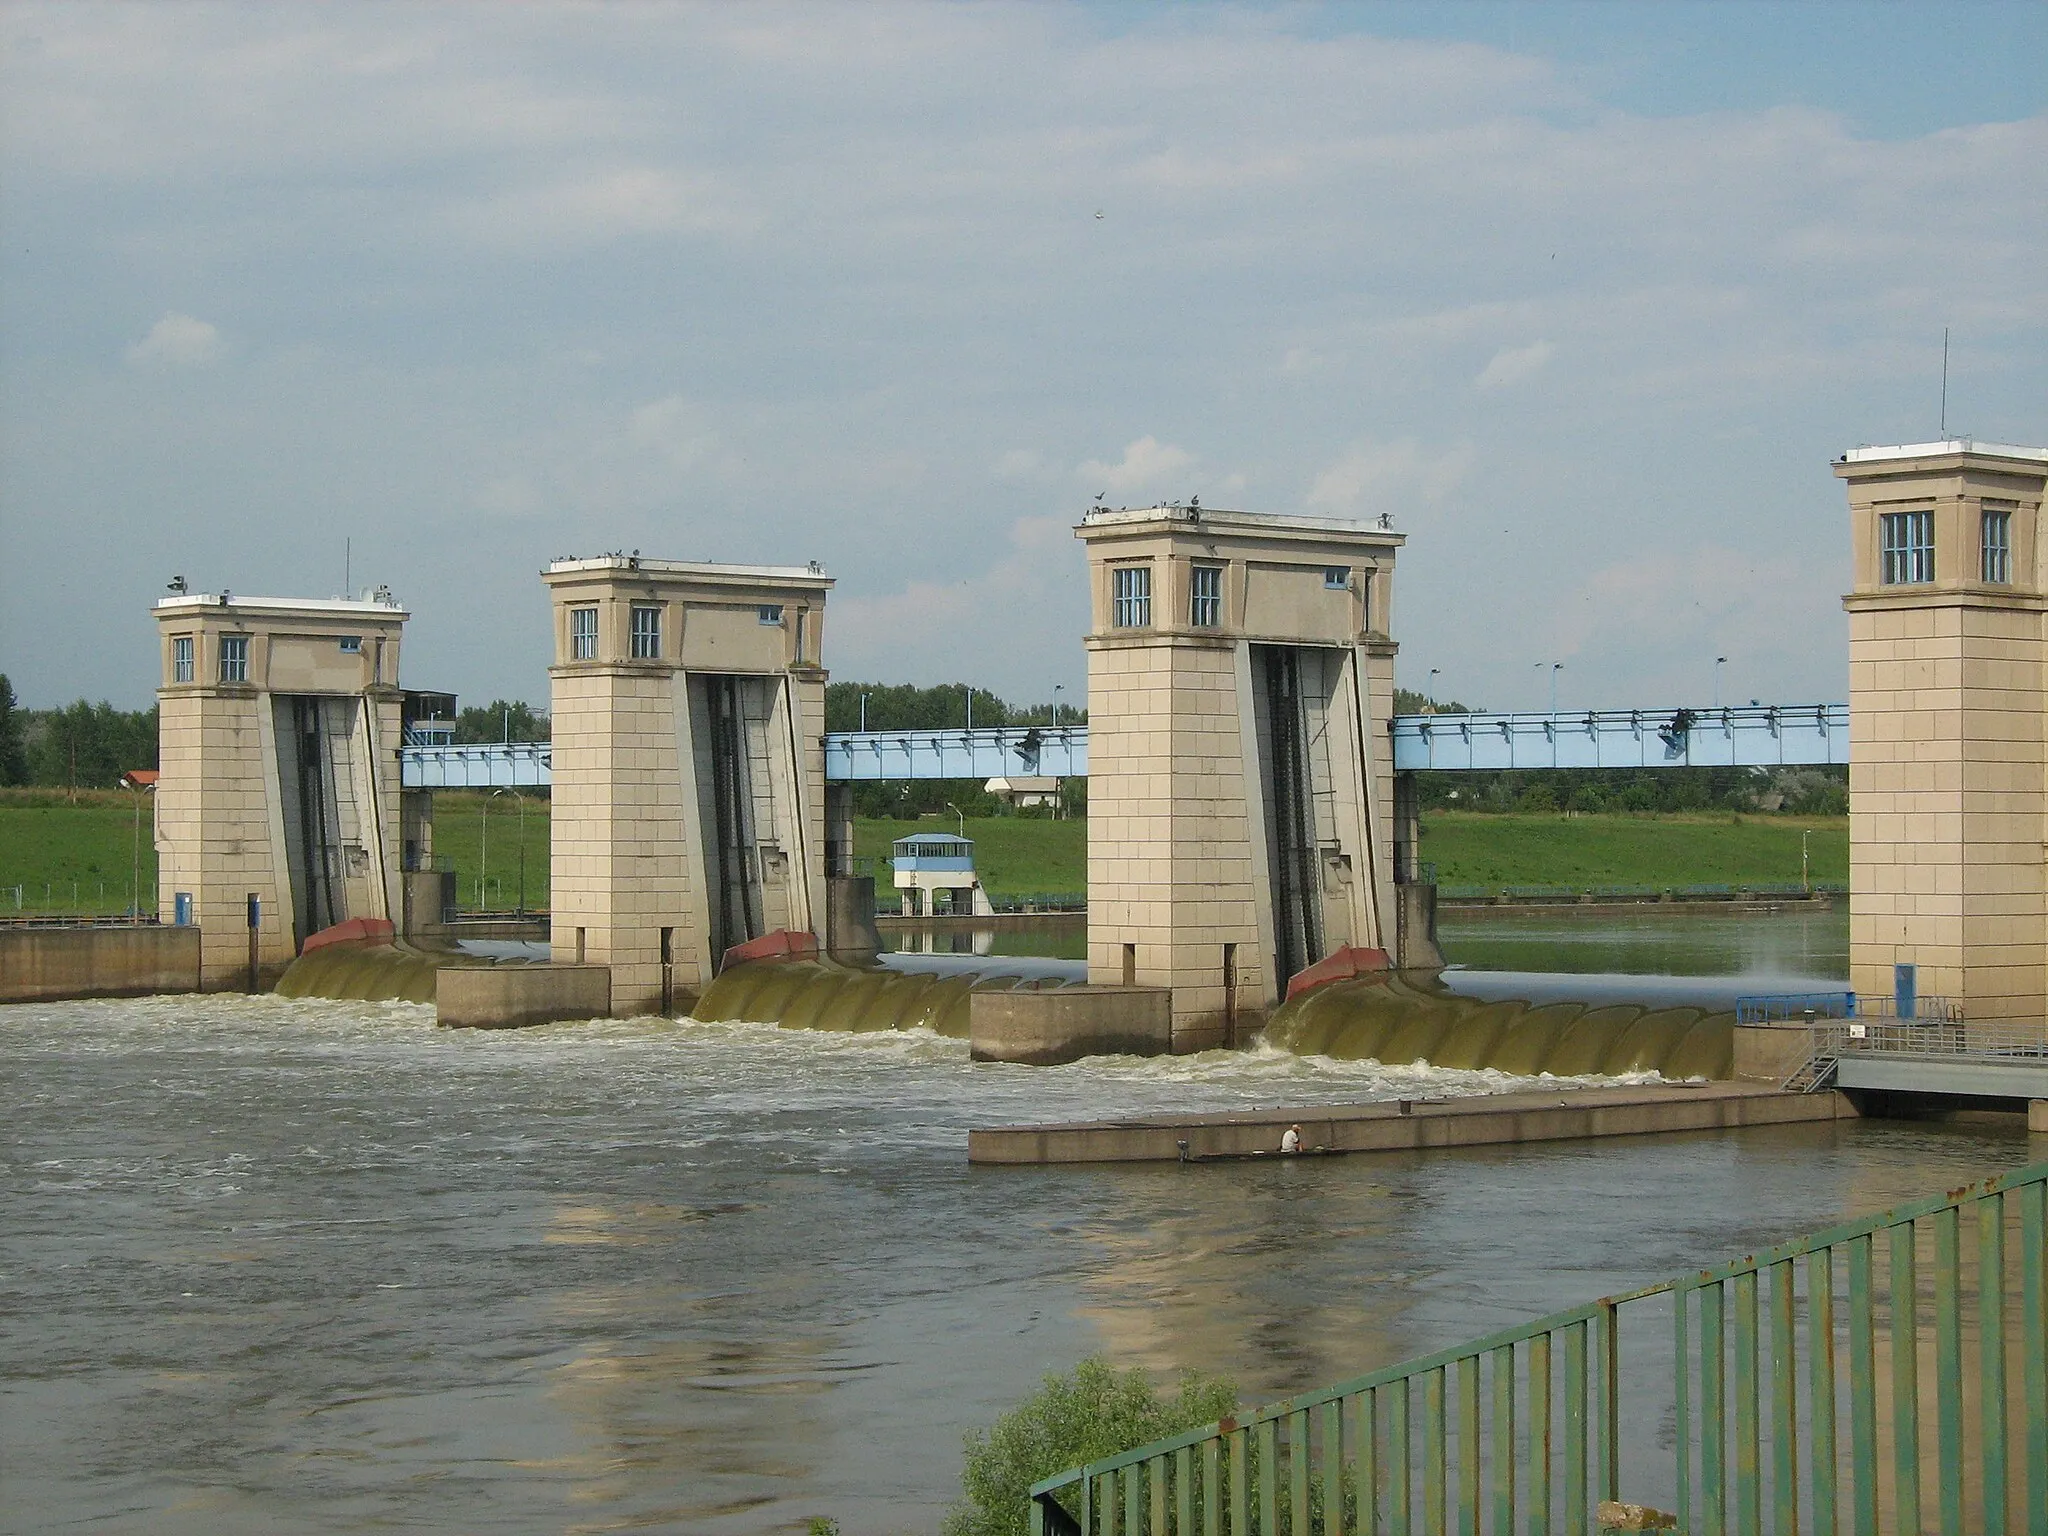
(646, 632)
(181, 658)
(1997, 543)
(234, 658)
(1205, 596)
(1906, 543)
(1133, 592)
(770, 613)
(583, 634)
(352, 645)
(1337, 576)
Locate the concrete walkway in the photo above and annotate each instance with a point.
(1558, 1114)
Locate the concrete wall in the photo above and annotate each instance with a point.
(1062, 1024)
(1948, 701)
(513, 996)
(1769, 1053)
(43, 964)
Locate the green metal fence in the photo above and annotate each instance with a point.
(1889, 1374)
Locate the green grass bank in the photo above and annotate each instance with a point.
(1584, 851)
(75, 857)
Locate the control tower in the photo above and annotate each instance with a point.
(1240, 791)
(1948, 710)
(279, 721)
(689, 766)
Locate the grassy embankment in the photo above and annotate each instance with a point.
(1584, 852)
(46, 841)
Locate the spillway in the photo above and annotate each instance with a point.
(396, 971)
(1402, 1019)
(822, 994)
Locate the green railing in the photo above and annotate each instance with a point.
(1846, 1380)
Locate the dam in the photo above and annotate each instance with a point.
(1252, 816)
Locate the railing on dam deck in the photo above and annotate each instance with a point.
(1745, 736)
(1790, 1380)
(1760, 735)
(482, 765)
(1028, 751)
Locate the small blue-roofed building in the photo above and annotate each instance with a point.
(929, 863)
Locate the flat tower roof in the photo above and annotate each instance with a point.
(802, 575)
(334, 607)
(1941, 449)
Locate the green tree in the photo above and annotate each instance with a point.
(89, 746)
(502, 720)
(1092, 1412)
(13, 753)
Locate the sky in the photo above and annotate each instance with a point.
(1585, 296)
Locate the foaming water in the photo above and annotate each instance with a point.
(277, 1265)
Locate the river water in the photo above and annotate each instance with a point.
(304, 1266)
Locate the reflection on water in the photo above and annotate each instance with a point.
(282, 1265)
(1707, 939)
(1052, 935)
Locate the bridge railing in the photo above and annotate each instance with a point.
(1752, 735)
(1792, 1378)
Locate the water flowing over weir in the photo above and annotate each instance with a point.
(1409, 1018)
(1398, 1020)
(400, 972)
(820, 994)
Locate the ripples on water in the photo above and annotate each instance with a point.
(274, 1265)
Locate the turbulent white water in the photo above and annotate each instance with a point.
(282, 1266)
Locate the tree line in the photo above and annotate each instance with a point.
(80, 746)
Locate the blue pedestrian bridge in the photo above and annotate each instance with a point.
(1739, 736)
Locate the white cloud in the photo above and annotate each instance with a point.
(1019, 464)
(677, 428)
(1035, 592)
(1147, 464)
(1371, 478)
(176, 341)
(1511, 365)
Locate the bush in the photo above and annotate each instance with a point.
(1092, 1412)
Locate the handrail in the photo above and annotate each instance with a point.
(1349, 1457)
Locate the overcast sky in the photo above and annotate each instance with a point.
(1586, 297)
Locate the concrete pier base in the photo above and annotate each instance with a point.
(2037, 1116)
(514, 996)
(850, 932)
(1045, 1029)
(1409, 1125)
(45, 964)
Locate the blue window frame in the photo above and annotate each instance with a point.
(1205, 596)
(1906, 540)
(1132, 590)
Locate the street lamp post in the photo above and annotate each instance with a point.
(1805, 879)
(1719, 663)
(483, 862)
(138, 784)
(1056, 687)
(963, 819)
(1434, 674)
(863, 712)
(1555, 668)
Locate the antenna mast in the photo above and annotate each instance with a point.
(1944, 383)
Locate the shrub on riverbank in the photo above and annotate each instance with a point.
(1091, 1412)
